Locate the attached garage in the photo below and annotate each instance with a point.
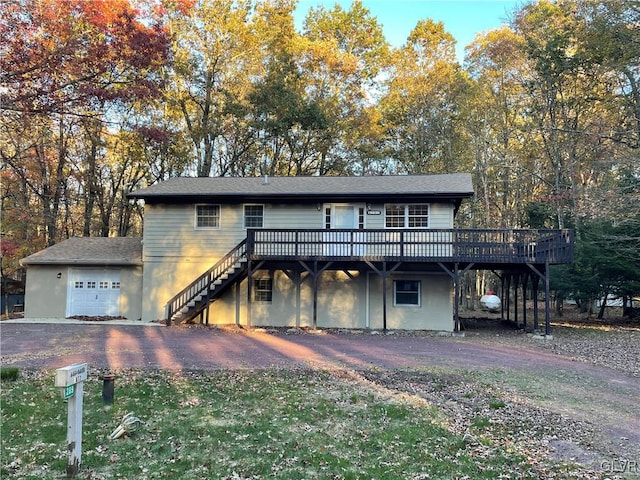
(85, 276)
(93, 292)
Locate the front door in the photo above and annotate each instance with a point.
(344, 243)
(343, 216)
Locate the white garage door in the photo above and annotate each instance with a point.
(94, 292)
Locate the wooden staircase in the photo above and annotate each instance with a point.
(208, 287)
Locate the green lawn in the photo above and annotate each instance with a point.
(286, 424)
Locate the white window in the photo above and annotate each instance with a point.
(253, 216)
(207, 216)
(406, 293)
(263, 289)
(415, 215)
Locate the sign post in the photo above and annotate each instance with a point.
(71, 380)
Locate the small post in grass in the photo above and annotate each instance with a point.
(108, 387)
(70, 380)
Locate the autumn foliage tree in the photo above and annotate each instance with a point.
(102, 97)
(62, 56)
(67, 67)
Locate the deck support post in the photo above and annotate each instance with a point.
(456, 298)
(525, 281)
(315, 272)
(236, 287)
(456, 275)
(315, 294)
(299, 281)
(249, 292)
(296, 278)
(535, 280)
(208, 305)
(507, 299)
(547, 305)
(503, 303)
(544, 276)
(167, 315)
(384, 274)
(384, 297)
(250, 271)
(516, 283)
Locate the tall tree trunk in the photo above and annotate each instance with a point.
(603, 305)
(52, 188)
(90, 189)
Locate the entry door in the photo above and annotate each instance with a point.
(342, 243)
(94, 292)
(343, 216)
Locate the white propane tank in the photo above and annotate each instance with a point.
(490, 301)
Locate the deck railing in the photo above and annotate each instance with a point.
(424, 245)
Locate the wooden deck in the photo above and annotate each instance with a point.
(451, 251)
(487, 247)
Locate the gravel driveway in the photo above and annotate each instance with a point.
(594, 388)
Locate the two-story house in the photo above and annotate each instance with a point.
(377, 252)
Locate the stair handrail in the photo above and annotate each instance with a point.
(204, 281)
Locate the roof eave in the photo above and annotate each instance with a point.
(297, 197)
(83, 262)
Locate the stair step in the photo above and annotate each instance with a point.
(200, 291)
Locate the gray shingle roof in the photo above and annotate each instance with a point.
(457, 185)
(90, 251)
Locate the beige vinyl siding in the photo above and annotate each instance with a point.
(342, 300)
(163, 278)
(175, 252)
(131, 292)
(440, 215)
(169, 230)
(293, 216)
(436, 304)
(374, 221)
(46, 294)
(342, 303)
(282, 311)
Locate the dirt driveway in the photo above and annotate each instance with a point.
(603, 402)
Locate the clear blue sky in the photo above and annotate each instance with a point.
(462, 18)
